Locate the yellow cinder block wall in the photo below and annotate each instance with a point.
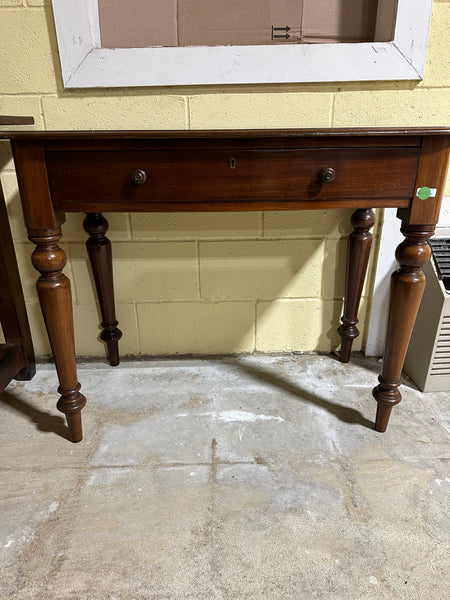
(206, 283)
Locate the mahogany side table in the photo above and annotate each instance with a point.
(180, 171)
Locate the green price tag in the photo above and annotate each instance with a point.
(424, 193)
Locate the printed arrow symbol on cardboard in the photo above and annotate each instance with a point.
(286, 36)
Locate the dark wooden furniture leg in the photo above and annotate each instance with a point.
(17, 354)
(407, 286)
(56, 304)
(359, 244)
(99, 250)
(53, 286)
(408, 282)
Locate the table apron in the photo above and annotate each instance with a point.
(214, 180)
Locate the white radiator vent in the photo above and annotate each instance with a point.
(428, 359)
(441, 358)
(441, 256)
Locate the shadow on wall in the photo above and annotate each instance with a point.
(206, 296)
(211, 296)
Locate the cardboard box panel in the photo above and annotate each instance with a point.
(339, 20)
(237, 23)
(138, 23)
(147, 23)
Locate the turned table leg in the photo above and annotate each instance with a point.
(56, 304)
(99, 251)
(359, 244)
(407, 286)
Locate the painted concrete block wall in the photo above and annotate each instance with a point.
(206, 283)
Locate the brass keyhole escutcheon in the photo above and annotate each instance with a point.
(233, 162)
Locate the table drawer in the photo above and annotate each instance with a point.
(214, 176)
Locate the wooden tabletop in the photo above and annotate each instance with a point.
(225, 133)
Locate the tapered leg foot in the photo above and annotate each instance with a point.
(407, 286)
(359, 245)
(346, 345)
(100, 256)
(111, 335)
(387, 395)
(382, 418)
(75, 427)
(71, 403)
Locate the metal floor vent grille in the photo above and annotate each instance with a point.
(441, 255)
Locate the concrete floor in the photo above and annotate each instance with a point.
(256, 477)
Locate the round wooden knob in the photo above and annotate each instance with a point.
(327, 175)
(139, 177)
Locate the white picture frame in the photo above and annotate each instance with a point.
(85, 64)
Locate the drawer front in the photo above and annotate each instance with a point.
(215, 176)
